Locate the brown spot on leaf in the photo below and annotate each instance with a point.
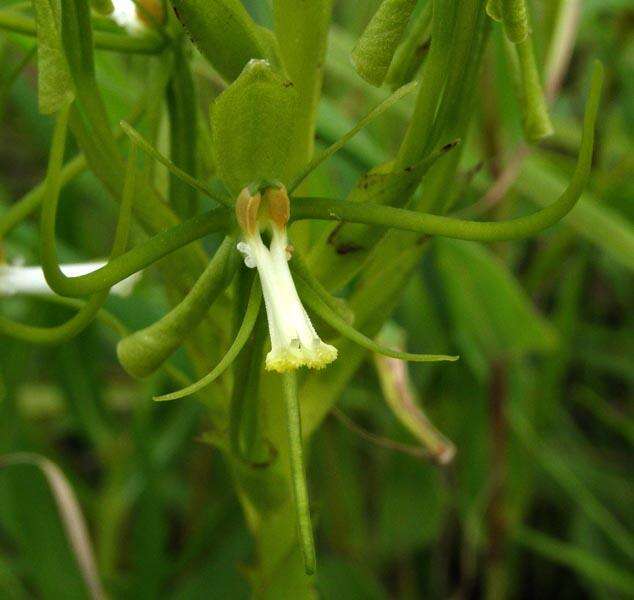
(344, 249)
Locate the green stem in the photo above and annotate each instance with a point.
(182, 110)
(302, 30)
(298, 474)
(322, 310)
(416, 142)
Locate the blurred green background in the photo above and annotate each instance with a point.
(540, 493)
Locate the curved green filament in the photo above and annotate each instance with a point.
(344, 139)
(336, 322)
(146, 350)
(298, 473)
(250, 317)
(337, 305)
(246, 435)
(147, 253)
(113, 323)
(136, 259)
(483, 231)
(150, 150)
(61, 333)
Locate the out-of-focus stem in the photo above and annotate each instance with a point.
(496, 518)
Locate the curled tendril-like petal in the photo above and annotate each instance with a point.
(60, 333)
(151, 151)
(343, 140)
(336, 322)
(146, 350)
(250, 317)
(125, 265)
(483, 231)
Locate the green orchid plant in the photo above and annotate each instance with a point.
(280, 244)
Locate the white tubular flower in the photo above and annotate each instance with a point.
(294, 341)
(137, 16)
(30, 281)
(125, 15)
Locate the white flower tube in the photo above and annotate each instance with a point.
(294, 341)
(125, 15)
(30, 281)
(137, 17)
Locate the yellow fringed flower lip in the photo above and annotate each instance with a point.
(294, 341)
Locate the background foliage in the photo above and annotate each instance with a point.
(537, 501)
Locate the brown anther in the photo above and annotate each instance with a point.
(247, 207)
(279, 205)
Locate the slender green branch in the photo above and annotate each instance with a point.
(148, 252)
(157, 247)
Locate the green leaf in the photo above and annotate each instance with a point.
(224, 33)
(302, 29)
(490, 312)
(373, 52)
(253, 123)
(585, 563)
(55, 86)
